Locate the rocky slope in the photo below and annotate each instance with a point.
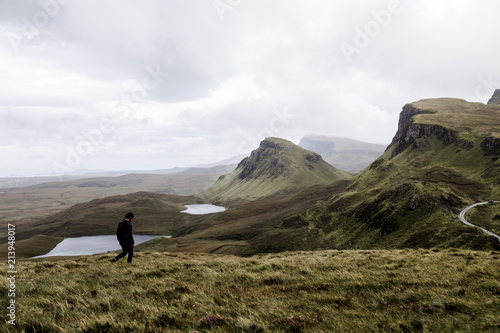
(444, 156)
(277, 167)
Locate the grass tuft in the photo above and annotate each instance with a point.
(322, 291)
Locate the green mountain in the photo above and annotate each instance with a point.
(277, 167)
(343, 153)
(444, 156)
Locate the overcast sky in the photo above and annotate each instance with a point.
(154, 84)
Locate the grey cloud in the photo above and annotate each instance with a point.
(221, 77)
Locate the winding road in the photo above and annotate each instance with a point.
(461, 216)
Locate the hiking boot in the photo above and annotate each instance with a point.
(113, 260)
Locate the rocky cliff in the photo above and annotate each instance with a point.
(491, 145)
(266, 162)
(444, 156)
(410, 132)
(276, 167)
(495, 99)
(451, 121)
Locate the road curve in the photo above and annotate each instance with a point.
(461, 216)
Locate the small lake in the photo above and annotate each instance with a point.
(203, 209)
(88, 245)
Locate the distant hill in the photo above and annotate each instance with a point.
(343, 153)
(25, 204)
(277, 167)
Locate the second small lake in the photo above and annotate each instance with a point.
(203, 209)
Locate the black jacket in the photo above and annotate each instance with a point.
(125, 236)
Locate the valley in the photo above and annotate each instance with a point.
(444, 157)
(230, 166)
(300, 247)
(25, 204)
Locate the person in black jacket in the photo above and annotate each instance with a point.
(124, 235)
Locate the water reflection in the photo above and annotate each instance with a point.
(88, 245)
(203, 209)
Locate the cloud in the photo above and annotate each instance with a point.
(182, 82)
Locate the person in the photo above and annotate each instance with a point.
(124, 235)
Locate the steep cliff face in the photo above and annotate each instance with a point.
(495, 99)
(405, 120)
(451, 121)
(409, 132)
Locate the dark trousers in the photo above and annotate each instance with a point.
(126, 248)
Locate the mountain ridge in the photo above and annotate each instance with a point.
(447, 157)
(443, 157)
(276, 167)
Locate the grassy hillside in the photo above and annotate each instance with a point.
(324, 291)
(277, 167)
(444, 157)
(343, 153)
(458, 114)
(249, 228)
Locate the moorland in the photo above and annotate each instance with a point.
(303, 246)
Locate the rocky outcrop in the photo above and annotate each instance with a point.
(314, 157)
(263, 161)
(266, 143)
(276, 167)
(405, 119)
(409, 132)
(491, 145)
(495, 99)
(413, 132)
(250, 168)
